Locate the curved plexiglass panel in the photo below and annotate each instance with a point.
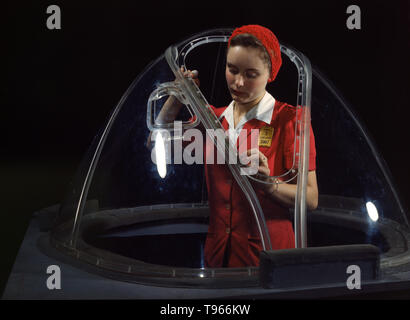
(358, 202)
(121, 188)
(126, 216)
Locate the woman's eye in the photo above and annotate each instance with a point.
(252, 75)
(233, 71)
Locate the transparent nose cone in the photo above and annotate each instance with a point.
(138, 208)
(358, 201)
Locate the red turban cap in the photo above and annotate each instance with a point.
(269, 41)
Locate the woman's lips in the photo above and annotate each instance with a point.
(237, 93)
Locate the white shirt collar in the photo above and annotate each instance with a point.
(262, 111)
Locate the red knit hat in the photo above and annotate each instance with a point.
(269, 41)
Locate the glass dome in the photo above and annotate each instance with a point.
(134, 222)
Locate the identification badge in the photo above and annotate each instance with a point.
(265, 136)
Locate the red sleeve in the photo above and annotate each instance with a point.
(217, 111)
(289, 145)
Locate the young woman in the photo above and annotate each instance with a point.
(253, 60)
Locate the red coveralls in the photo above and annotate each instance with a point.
(233, 239)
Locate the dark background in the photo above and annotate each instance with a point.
(59, 86)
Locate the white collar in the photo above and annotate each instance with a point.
(262, 111)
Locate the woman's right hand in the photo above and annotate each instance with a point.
(191, 74)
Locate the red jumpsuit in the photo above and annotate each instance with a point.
(233, 239)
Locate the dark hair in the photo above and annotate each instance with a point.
(247, 40)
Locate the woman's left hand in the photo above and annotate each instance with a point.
(263, 174)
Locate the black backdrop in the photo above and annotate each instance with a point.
(59, 86)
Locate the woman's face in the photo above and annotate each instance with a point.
(246, 74)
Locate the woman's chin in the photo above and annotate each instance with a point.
(238, 99)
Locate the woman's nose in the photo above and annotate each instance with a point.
(239, 80)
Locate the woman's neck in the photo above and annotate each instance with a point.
(243, 108)
(240, 109)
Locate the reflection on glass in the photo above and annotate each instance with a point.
(372, 211)
(160, 155)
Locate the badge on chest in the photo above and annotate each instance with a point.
(265, 136)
